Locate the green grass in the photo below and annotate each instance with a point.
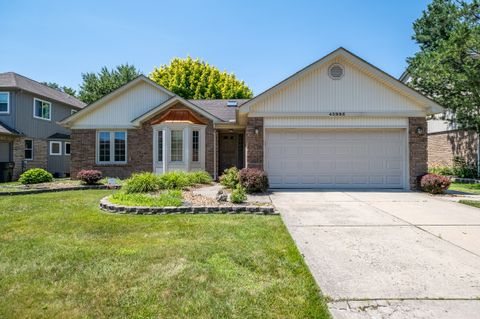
(466, 188)
(61, 257)
(473, 203)
(169, 198)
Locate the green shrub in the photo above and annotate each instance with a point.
(441, 170)
(200, 177)
(142, 183)
(174, 180)
(229, 178)
(35, 176)
(169, 198)
(463, 169)
(238, 195)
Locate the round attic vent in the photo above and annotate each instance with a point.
(335, 71)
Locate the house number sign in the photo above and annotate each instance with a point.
(336, 114)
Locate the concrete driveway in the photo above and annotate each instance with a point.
(388, 254)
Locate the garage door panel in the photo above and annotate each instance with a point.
(335, 159)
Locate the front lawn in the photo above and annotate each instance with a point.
(61, 257)
(474, 203)
(466, 188)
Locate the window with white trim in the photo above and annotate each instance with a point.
(112, 147)
(55, 148)
(195, 146)
(159, 146)
(67, 148)
(28, 150)
(176, 146)
(42, 109)
(4, 102)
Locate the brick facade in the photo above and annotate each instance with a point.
(139, 150)
(254, 142)
(417, 143)
(443, 146)
(40, 153)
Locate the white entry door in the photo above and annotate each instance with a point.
(298, 158)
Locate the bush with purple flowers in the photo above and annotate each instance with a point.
(89, 177)
(434, 184)
(253, 180)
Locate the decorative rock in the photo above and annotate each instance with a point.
(222, 196)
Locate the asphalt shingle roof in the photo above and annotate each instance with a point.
(5, 129)
(14, 80)
(60, 136)
(219, 108)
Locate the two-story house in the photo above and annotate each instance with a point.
(30, 135)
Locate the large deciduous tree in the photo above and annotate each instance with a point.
(96, 85)
(64, 89)
(196, 79)
(447, 67)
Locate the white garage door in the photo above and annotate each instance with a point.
(335, 159)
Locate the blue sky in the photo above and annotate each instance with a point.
(262, 42)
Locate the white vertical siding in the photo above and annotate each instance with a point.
(122, 109)
(356, 92)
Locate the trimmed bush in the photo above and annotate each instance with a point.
(434, 184)
(89, 177)
(238, 195)
(35, 176)
(229, 178)
(142, 183)
(253, 180)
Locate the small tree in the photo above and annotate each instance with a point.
(196, 79)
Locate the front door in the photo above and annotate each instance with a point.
(228, 151)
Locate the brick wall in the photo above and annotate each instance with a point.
(40, 153)
(139, 150)
(139, 153)
(418, 149)
(254, 142)
(442, 147)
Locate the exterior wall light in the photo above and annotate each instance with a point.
(256, 131)
(419, 130)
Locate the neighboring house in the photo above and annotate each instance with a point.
(338, 123)
(30, 135)
(446, 140)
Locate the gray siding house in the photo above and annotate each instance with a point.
(30, 135)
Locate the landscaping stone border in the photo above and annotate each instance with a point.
(144, 210)
(52, 190)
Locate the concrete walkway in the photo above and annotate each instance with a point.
(388, 254)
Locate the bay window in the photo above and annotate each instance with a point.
(176, 146)
(111, 147)
(195, 146)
